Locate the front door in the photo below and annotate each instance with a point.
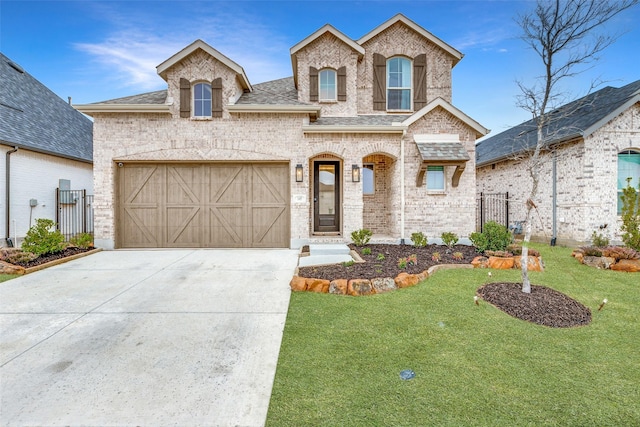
(326, 196)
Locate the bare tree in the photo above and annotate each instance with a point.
(565, 35)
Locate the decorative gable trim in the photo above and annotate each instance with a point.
(199, 44)
(457, 55)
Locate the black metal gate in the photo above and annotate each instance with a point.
(492, 207)
(74, 213)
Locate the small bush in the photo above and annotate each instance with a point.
(16, 256)
(410, 260)
(380, 257)
(348, 263)
(631, 216)
(495, 237)
(457, 256)
(366, 251)
(449, 239)
(42, 240)
(82, 240)
(436, 257)
(419, 239)
(599, 240)
(361, 237)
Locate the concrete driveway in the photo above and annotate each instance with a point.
(146, 338)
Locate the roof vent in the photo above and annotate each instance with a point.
(15, 67)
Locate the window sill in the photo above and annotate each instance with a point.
(400, 111)
(201, 119)
(328, 101)
(436, 192)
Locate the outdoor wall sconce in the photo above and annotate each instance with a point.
(298, 173)
(355, 173)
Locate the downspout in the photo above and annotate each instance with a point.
(554, 201)
(402, 200)
(8, 199)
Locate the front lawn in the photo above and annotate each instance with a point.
(341, 356)
(5, 277)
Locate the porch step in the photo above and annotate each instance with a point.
(323, 254)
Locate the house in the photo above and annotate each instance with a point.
(363, 135)
(44, 140)
(593, 147)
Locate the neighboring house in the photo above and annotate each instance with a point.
(44, 140)
(363, 135)
(594, 146)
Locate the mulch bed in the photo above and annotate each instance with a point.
(42, 259)
(542, 306)
(374, 267)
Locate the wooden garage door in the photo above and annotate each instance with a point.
(203, 205)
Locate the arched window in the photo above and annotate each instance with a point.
(202, 100)
(327, 81)
(628, 167)
(399, 84)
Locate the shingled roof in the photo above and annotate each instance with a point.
(577, 119)
(34, 118)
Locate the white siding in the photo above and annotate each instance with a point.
(35, 176)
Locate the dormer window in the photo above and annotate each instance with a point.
(399, 84)
(202, 100)
(327, 83)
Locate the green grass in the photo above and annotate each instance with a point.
(5, 277)
(341, 357)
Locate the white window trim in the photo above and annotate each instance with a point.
(373, 183)
(193, 101)
(619, 190)
(410, 88)
(335, 85)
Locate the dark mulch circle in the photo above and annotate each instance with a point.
(543, 305)
(383, 261)
(42, 259)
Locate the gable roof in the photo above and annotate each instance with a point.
(457, 55)
(577, 119)
(327, 28)
(439, 102)
(199, 44)
(34, 118)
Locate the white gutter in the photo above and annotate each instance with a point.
(88, 109)
(352, 129)
(259, 108)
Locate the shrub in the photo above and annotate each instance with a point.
(631, 216)
(348, 263)
(410, 260)
(82, 240)
(599, 240)
(495, 237)
(436, 257)
(449, 239)
(16, 256)
(419, 239)
(42, 240)
(380, 257)
(366, 251)
(361, 237)
(457, 256)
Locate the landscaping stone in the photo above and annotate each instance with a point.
(500, 263)
(382, 285)
(357, 287)
(298, 284)
(405, 280)
(533, 263)
(628, 265)
(6, 268)
(601, 262)
(338, 287)
(318, 285)
(480, 262)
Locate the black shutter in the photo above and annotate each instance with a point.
(342, 84)
(313, 84)
(216, 97)
(379, 82)
(419, 81)
(185, 98)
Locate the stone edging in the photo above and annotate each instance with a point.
(358, 287)
(607, 263)
(21, 270)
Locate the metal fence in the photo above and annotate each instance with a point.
(492, 207)
(74, 213)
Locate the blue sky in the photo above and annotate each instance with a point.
(99, 50)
